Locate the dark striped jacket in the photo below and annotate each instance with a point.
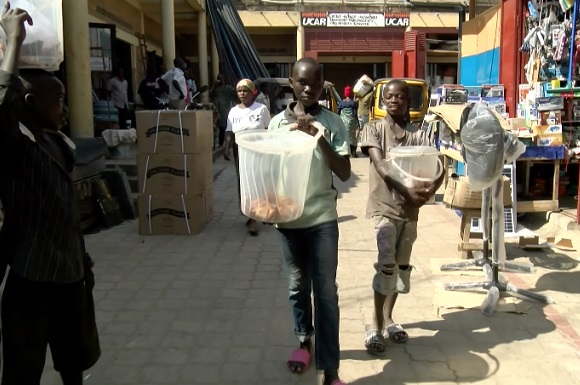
(40, 238)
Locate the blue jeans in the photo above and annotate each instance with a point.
(311, 259)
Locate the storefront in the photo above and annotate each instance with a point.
(115, 41)
(350, 45)
(416, 44)
(528, 73)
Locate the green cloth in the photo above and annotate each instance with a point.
(320, 205)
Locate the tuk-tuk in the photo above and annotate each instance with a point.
(279, 88)
(420, 95)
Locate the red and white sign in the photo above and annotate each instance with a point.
(354, 19)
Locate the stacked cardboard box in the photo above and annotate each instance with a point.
(174, 162)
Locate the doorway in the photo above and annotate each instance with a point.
(122, 58)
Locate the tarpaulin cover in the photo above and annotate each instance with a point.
(238, 55)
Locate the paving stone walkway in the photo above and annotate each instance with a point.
(212, 308)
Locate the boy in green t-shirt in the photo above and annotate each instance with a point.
(310, 244)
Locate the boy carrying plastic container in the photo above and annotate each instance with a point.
(394, 210)
(48, 295)
(310, 244)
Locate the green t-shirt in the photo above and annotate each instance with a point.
(320, 205)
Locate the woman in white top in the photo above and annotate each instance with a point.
(248, 115)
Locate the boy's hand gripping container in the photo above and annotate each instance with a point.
(274, 172)
(43, 47)
(413, 166)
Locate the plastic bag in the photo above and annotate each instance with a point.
(513, 147)
(43, 46)
(482, 137)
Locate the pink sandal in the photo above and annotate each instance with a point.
(300, 357)
(338, 382)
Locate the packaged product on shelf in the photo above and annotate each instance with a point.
(550, 117)
(547, 140)
(548, 129)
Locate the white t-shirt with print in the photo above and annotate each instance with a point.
(254, 117)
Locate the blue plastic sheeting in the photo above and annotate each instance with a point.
(550, 152)
(480, 69)
(239, 58)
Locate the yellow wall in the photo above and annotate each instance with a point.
(270, 18)
(434, 20)
(482, 33)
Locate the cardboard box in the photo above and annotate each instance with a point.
(175, 214)
(516, 123)
(458, 194)
(547, 140)
(174, 132)
(174, 173)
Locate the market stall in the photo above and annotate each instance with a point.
(530, 50)
(447, 118)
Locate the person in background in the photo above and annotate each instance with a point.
(174, 84)
(190, 82)
(148, 90)
(117, 88)
(394, 209)
(309, 245)
(224, 97)
(263, 97)
(47, 300)
(248, 115)
(364, 110)
(347, 109)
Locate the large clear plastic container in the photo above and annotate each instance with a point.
(413, 166)
(43, 47)
(274, 172)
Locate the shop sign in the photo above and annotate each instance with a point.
(356, 20)
(397, 20)
(313, 19)
(353, 19)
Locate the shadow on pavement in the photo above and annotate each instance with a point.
(346, 218)
(553, 261)
(459, 351)
(565, 282)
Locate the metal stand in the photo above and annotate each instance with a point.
(495, 284)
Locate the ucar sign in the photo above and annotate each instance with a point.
(355, 19)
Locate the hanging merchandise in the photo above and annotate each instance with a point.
(566, 4)
(239, 58)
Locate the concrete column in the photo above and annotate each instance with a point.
(299, 42)
(202, 55)
(78, 70)
(168, 28)
(215, 59)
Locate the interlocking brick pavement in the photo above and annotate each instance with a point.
(212, 309)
